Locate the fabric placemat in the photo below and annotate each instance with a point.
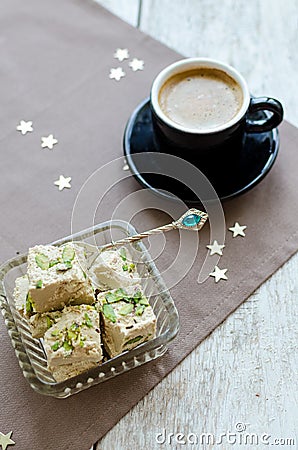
(55, 61)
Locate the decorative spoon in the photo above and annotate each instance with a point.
(193, 219)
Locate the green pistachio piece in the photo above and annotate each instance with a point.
(67, 346)
(55, 346)
(64, 266)
(81, 343)
(29, 305)
(38, 284)
(55, 332)
(68, 253)
(53, 262)
(49, 322)
(109, 312)
(140, 310)
(132, 341)
(42, 261)
(125, 267)
(117, 296)
(126, 309)
(122, 253)
(136, 297)
(74, 326)
(71, 335)
(120, 292)
(112, 297)
(131, 267)
(144, 301)
(85, 275)
(88, 321)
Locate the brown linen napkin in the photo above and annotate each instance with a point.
(55, 61)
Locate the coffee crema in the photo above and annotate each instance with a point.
(200, 99)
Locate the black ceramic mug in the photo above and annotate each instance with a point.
(222, 140)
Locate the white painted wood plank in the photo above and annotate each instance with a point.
(246, 371)
(127, 10)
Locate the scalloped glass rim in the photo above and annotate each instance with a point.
(29, 351)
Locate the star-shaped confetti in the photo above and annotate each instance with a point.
(219, 274)
(116, 74)
(5, 440)
(215, 248)
(63, 182)
(136, 64)
(238, 230)
(121, 54)
(25, 127)
(48, 142)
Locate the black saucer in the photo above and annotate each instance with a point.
(254, 161)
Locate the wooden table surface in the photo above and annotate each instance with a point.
(244, 372)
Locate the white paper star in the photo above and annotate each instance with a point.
(24, 127)
(48, 141)
(5, 440)
(116, 74)
(215, 248)
(121, 54)
(63, 182)
(238, 230)
(219, 274)
(136, 64)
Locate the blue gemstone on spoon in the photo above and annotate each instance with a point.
(191, 220)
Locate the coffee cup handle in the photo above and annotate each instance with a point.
(267, 124)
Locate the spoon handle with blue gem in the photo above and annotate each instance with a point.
(193, 219)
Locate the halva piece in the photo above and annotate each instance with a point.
(114, 269)
(57, 277)
(127, 319)
(75, 338)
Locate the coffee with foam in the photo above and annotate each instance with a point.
(200, 99)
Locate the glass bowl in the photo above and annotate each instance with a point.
(30, 351)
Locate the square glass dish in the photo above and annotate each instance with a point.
(30, 351)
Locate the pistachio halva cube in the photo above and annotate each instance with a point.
(39, 322)
(75, 338)
(57, 277)
(113, 269)
(127, 319)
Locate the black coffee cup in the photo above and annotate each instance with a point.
(223, 141)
